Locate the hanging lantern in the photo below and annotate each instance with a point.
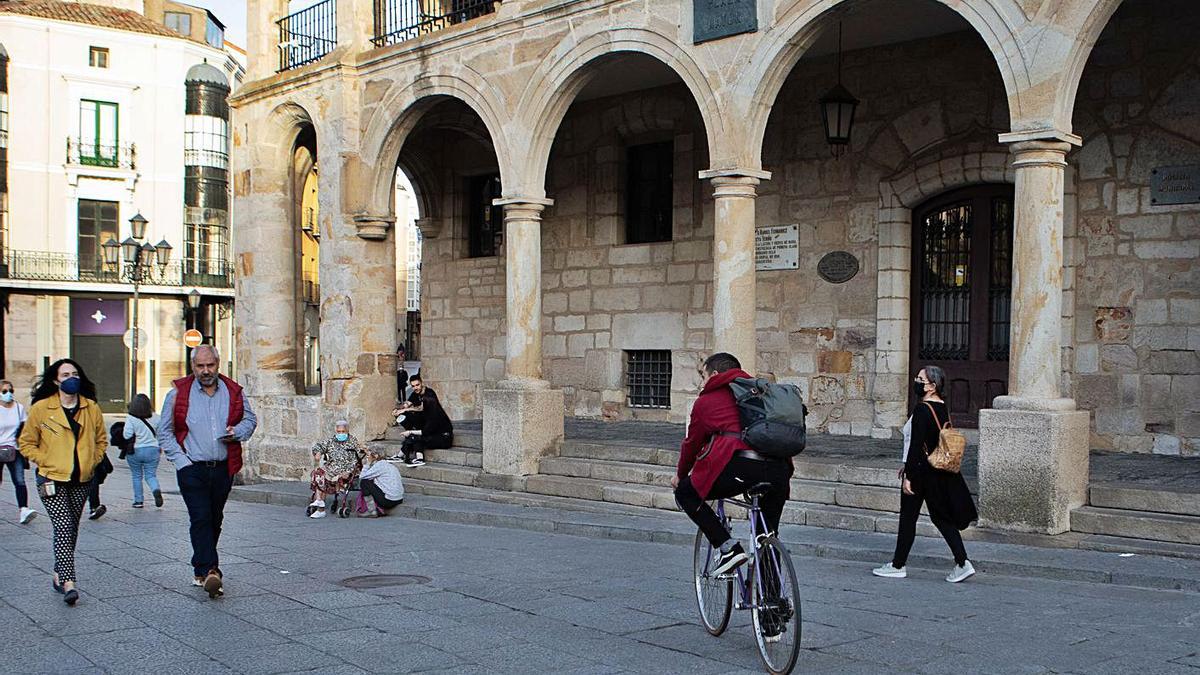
(837, 110)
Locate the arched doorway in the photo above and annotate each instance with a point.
(961, 287)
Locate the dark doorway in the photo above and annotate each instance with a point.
(961, 285)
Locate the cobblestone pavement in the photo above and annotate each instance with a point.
(501, 600)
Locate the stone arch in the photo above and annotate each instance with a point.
(565, 72)
(795, 32)
(926, 176)
(401, 109)
(1086, 36)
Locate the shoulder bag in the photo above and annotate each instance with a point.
(948, 454)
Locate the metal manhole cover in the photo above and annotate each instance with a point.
(384, 580)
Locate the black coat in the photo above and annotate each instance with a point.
(945, 493)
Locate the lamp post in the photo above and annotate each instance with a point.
(135, 260)
(837, 110)
(193, 309)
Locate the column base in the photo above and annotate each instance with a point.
(1033, 467)
(520, 426)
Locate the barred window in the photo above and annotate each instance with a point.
(648, 378)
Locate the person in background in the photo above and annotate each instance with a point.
(339, 459)
(382, 487)
(141, 425)
(401, 373)
(65, 437)
(12, 417)
(435, 429)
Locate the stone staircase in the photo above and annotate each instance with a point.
(833, 490)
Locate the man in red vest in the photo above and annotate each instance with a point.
(205, 420)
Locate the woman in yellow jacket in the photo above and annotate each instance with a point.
(65, 437)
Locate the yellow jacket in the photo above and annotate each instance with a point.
(48, 442)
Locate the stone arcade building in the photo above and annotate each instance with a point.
(590, 180)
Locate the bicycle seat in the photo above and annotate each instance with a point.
(759, 490)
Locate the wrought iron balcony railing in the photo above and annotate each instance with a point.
(400, 20)
(307, 35)
(93, 153)
(43, 266)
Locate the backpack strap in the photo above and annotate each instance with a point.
(935, 417)
(150, 427)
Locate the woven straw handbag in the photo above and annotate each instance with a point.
(948, 454)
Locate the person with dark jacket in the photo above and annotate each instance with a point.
(435, 431)
(945, 493)
(715, 463)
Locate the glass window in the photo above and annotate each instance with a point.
(97, 223)
(205, 141)
(214, 34)
(485, 220)
(648, 197)
(180, 22)
(98, 133)
(98, 57)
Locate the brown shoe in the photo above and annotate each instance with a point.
(213, 585)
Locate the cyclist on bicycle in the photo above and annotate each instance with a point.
(715, 463)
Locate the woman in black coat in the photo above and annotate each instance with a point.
(951, 507)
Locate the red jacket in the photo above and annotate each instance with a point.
(183, 394)
(705, 452)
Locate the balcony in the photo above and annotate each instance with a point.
(400, 20)
(92, 153)
(307, 35)
(59, 267)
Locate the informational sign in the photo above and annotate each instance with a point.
(97, 317)
(128, 339)
(777, 248)
(837, 267)
(1175, 185)
(193, 338)
(715, 19)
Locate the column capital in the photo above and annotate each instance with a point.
(1028, 154)
(715, 174)
(1046, 134)
(373, 228)
(429, 226)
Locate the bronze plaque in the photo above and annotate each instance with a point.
(837, 267)
(715, 19)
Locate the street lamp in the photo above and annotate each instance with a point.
(837, 110)
(136, 265)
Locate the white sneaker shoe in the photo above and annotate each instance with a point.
(318, 503)
(319, 513)
(27, 514)
(890, 572)
(961, 573)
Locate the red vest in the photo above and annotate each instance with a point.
(183, 392)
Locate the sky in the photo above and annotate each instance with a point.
(232, 13)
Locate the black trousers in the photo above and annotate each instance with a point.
(413, 420)
(420, 443)
(370, 489)
(910, 511)
(204, 488)
(738, 476)
(93, 495)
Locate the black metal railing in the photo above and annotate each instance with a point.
(400, 20)
(93, 153)
(43, 266)
(307, 35)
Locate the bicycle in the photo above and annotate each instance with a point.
(766, 586)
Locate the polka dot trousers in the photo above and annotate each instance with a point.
(64, 509)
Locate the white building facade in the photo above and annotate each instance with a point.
(111, 114)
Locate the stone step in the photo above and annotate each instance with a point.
(1136, 497)
(619, 453)
(458, 455)
(1166, 527)
(441, 473)
(462, 439)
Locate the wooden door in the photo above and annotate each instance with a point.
(961, 287)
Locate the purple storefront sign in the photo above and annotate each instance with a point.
(97, 317)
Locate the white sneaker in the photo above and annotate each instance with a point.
(890, 572)
(27, 514)
(319, 513)
(961, 573)
(318, 503)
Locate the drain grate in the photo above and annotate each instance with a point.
(383, 580)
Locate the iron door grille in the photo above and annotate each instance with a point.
(648, 378)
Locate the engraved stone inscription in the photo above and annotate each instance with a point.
(715, 19)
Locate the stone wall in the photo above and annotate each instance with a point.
(281, 446)
(1137, 304)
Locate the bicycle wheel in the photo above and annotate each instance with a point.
(775, 610)
(714, 596)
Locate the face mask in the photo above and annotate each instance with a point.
(6, 397)
(919, 389)
(342, 436)
(69, 386)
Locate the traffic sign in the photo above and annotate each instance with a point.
(142, 337)
(193, 338)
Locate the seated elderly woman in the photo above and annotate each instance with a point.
(339, 461)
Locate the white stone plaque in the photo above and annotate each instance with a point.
(777, 248)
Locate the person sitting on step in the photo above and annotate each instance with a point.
(427, 427)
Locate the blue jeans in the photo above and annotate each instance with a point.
(16, 469)
(143, 463)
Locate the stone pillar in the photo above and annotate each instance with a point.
(355, 26)
(734, 301)
(523, 416)
(262, 37)
(1034, 444)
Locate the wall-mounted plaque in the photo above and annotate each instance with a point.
(837, 267)
(715, 19)
(777, 248)
(1175, 185)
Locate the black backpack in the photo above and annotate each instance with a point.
(116, 438)
(772, 416)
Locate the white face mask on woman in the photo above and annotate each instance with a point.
(6, 397)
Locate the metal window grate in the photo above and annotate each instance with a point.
(400, 20)
(648, 378)
(945, 256)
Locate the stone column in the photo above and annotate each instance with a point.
(1033, 446)
(355, 26)
(262, 37)
(523, 416)
(734, 300)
